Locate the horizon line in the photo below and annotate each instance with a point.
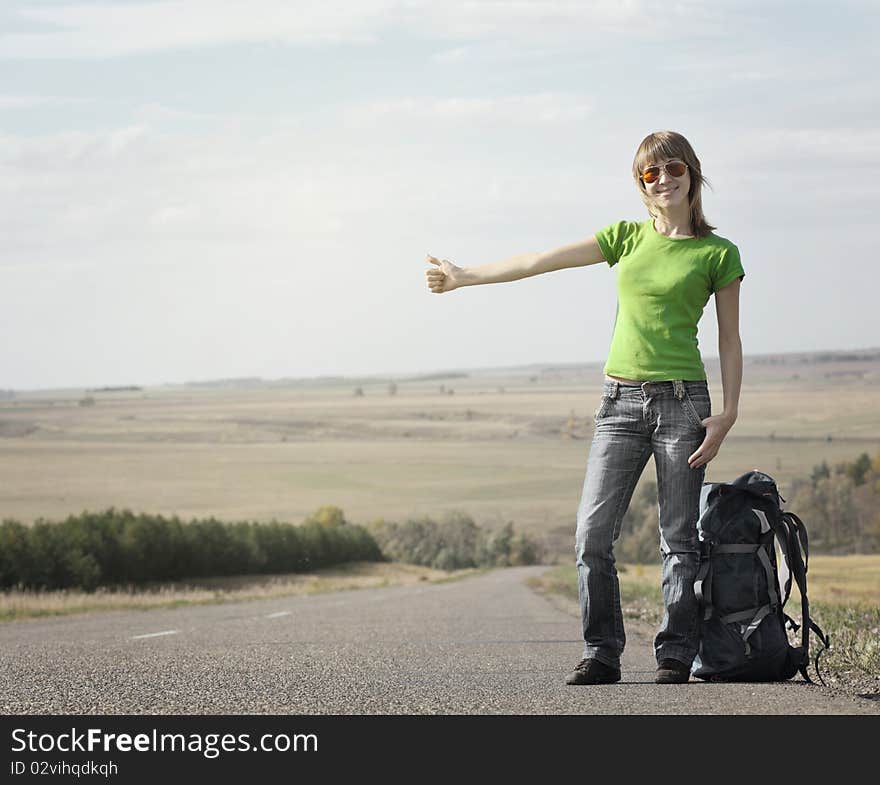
(408, 376)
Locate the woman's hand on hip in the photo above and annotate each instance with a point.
(717, 428)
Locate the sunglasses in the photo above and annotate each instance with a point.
(674, 168)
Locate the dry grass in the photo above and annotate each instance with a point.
(259, 454)
(843, 581)
(15, 605)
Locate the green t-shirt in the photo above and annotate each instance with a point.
(662, 287)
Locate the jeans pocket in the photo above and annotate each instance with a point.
(694, 406)
(603, 408)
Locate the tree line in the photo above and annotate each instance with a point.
(121, 548)
(840, 505)
(118, 547)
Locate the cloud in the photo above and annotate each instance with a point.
(30, 101)
(547, 108)
(100, 30)
(567, 20)
(105, 30)
(800, 149)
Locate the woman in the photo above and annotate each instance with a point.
(655, 398)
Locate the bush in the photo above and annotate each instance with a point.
(840, 507)
(454, 543)
(115, 547)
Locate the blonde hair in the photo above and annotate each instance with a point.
(662, 145)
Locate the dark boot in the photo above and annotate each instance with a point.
(672, 672)
(593, 672)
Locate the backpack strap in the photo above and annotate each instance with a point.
(703, 582)
(763, 611)
(826, 644)
(784, 567)
(736, 548)
(798, 564)
(799, 559)
(754, 616)
(768, 568)
(783, 537)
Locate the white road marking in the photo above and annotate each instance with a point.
(154, 634)
(276, 615)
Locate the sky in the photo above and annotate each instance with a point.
(203, 189)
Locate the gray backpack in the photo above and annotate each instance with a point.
(742, 586)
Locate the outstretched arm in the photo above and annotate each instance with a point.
(445, 276)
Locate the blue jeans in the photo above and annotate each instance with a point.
(633, 422)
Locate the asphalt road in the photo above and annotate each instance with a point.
(483, 645)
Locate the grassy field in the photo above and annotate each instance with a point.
(505, 446)
(844, 596)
